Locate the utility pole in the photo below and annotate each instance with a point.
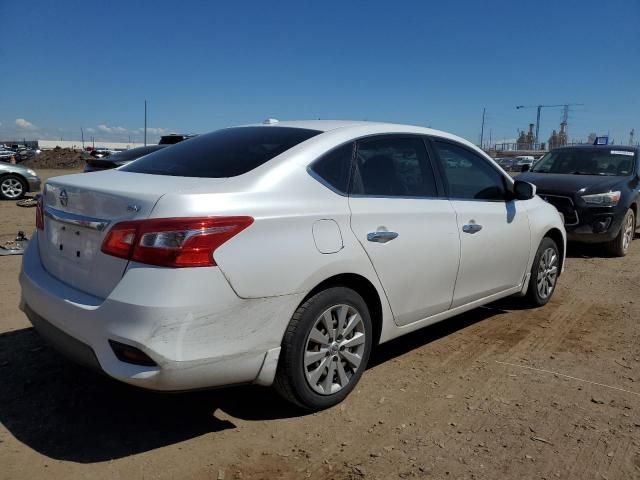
(482, 128)
(540, 107)
(632, 137)
(82, 135)
(145, 122)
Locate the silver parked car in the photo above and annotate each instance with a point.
(16, 181)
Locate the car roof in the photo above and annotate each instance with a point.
(628, 148)
(320, 125)
(360, 127)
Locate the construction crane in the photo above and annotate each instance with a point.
(540, 107)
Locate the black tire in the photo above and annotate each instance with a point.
(534, 296)
(291, 380)
(18, 182)
(619, 246)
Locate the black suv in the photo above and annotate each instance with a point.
(595, 188)
(174, 138)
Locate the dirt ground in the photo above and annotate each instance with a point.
(498, 393)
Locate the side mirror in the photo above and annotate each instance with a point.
(523, 190)
(526, 167)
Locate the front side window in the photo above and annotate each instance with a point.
(334, 168)
(468, 175)
(223, 153)
(393, 166)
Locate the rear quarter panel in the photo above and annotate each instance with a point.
(277, 254)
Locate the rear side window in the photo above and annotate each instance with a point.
(468, 175)
(224, 153)
(334, 168)
(393, 166)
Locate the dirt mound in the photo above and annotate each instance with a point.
(57, 158)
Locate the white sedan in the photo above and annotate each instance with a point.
(280, 253)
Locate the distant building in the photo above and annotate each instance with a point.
(559, 139)
(526, 141)
(77, 144)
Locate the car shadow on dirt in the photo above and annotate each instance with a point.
(592, 250)
(424, 336)
(68, 413)
(588, 250)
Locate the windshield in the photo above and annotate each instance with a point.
(587, 161)
(224, 153)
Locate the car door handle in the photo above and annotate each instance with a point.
(381, 237)
(471, 228)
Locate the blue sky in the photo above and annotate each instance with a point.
(203, 65)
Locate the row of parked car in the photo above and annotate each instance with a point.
(516, 164)
(283, 253)
(18, 180)
(19, 153)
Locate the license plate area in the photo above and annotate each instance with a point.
(72, 243)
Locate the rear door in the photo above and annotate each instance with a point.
(407, 229)
(494, 232)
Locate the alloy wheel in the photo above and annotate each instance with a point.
(11, 187)
(628, 232)
(334, 349)
(547, 273)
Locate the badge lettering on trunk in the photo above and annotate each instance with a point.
(63, 197)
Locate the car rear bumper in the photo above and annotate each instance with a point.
(199, 333)
(71, 347)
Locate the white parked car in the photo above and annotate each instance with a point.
(522, 160)
(280, 253)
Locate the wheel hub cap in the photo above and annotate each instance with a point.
(11, 188)
(547, 273)
(628, 233)
(334, 349)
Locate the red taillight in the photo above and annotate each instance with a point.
(121, 238)
(173, 242)
(40, 213)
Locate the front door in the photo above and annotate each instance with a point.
(494, 232)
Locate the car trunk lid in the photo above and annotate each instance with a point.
(79, 211)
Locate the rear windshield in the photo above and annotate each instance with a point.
(587, 161)
(224, 153)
